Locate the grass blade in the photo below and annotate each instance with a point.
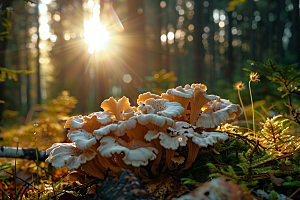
(260, 115)
(15, 175)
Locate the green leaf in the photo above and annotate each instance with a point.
(257, 64)
(294, 183)
(4, 24)
(58, 182)
(260, 115)
(257, 71)
(289, 178)
(266, 112)
(6, 166)
(287, 124)
(7, 22)
(4, 33)
(3, 12)
(293, 79)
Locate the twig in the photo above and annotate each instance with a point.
(21, 179)
(15, 175)
(251, 159)
(243, 138)
(93, 182)
(28, 186)
(293, 194)
(4, 192)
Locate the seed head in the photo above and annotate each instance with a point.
(254, 77)
(239, 86)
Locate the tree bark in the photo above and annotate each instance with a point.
(39, 93)
(252, 31)
(30, 153)
(280, 29)
(295, 31)
(229, 68)
(198, 51)
(5, 4)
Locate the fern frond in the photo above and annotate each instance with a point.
(263, 160)
(261, 170)
(294, 183)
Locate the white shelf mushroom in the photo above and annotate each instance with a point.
(218, 112)
(83, 139)
(160, 134)
(67, 154)
(136, 153)
(162, 107)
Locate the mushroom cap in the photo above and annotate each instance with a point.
(129, 112)
(179, 160)
(208, 138)
(89, 123)
(162, 107)
(115, 129)
(84, 140)
(136, 156)
(54, 146)
(167, 141)
(154, 122)
(218, 112)
(147, 95)
(181, 92)
(123, 126)
(78, 119)
(145, 109)
(116, 107)
(105, 130)
(173, 137)
(199, 99)
(199, 85)
(69, 155)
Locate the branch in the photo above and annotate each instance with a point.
(30, 154)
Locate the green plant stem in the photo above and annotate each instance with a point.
(243, 109)
(15, 175)
(37, 163)
(252, 106)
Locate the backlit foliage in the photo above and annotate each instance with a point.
(274, 137)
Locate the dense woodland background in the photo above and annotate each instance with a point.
(201, 41)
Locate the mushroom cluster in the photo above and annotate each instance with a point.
(164, 133)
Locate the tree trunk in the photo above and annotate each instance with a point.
(229, 68)
(39, 94)
(280, 29)
(295, 31)
(198, 46)
(5, 4)
(252, 31)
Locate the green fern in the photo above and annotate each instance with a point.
(229, 175)
(294, 183)
(275, 137)
(262, 170)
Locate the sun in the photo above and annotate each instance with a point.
(95, 33)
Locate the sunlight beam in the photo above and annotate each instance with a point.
(95, 33)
